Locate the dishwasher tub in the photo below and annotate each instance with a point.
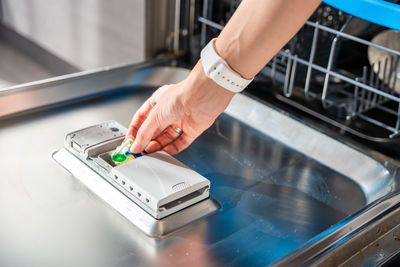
(290, 194)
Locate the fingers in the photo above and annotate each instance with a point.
(140, 116)
(180, 144)
(168, 136)
(156, 114)
(154, 124)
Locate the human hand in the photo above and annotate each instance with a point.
(191, 105)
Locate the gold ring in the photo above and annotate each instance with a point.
(177, 129)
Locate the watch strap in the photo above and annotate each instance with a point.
(219, 71)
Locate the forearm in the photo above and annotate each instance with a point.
(255, 33)
(258, 30)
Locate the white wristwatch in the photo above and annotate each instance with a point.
(219, 71)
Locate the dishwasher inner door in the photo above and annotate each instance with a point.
(156, 183)
(288, 191)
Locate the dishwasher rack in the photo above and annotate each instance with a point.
(362, 92)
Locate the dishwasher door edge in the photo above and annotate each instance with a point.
(69, 88)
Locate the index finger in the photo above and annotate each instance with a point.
(154, 124)
(139, 117)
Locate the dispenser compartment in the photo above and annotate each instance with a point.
(157, 182)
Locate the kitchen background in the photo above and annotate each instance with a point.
(45, 38)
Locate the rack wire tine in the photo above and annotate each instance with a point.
(381, 97)
(395, 73)
(389, 80)
(292, 75)
(287, 75)
(330, 62)
(370, 82)
(311, 61)
(273, 70)
(363, 104)
(376, 83)
(355, 100)
(327, 75)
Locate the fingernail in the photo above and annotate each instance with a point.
(135, 148)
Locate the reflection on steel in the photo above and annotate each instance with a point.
(319, 147)
(348, 239)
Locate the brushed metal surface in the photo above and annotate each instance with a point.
(275, 200)
(129, 209)
(373, 245)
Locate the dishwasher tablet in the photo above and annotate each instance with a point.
(122, 154)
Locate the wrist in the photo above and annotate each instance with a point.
(230, 51)
(200, 79)
(197, 86)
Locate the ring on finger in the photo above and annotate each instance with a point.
(177, 129)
